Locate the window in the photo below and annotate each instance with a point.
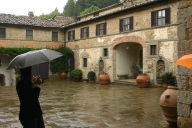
(54, 36)
(2, 33)
(105, 52)
(126, 24)
(29, 34)
(71, 35)
(84, 32)
(160, 17)
(101, 29)
(153, 50)
(84, 62)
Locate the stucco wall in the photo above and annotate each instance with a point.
(42, 37)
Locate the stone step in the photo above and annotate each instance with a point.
(125, 82)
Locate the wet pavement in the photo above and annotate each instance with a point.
(68, 104)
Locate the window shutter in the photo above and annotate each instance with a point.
(68, 35)
(97, 29)
(168, 16)
(87, 32)
(105, 28)
(131, 23)
(81, 33)
(153, 18)
(121, 25)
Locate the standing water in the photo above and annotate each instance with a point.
(68, 104)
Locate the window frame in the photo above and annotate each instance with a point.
(71, 35)
(156, 17)
(101, 29)
(55, 36)
(3, 32)
(85, 63)
(153, 50)
(126, 22)
(84, 32)
(29, 36)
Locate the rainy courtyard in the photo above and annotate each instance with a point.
(67, 104)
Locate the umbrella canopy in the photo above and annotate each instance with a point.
(185, 61)
(33, 58)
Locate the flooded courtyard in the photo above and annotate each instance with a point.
(67, 104)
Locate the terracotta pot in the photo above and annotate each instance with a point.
(104, 79)
(143, 80)
(63, 75)
(168, 103)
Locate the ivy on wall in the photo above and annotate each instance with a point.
(58, 65)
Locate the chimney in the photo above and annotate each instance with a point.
(30, 14)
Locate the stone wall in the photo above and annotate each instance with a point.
(164, 37)
(184, 77)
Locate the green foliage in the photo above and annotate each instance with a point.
(14, 51)
(91, 9)
(50, 15)
(76, 74)
(91, 75)
(169, 78)
(69, 9)
(61, 64)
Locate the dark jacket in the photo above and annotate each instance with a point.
(29, 103)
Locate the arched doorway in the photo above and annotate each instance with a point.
(129, 60)
(160, 70)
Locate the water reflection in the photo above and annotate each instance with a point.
(81, 105)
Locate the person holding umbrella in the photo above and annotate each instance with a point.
(30, 114)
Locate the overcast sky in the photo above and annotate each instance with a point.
(22, 7)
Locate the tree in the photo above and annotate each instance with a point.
(69, 9)
(93, 8)
(50, 15)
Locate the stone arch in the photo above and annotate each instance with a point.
(127, 39)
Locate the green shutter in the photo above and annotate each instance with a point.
(121, 25)
(168, 16)
(153, 18)
(131, 23)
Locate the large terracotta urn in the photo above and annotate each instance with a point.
(168, 103)
(104, 79)
(143, 80)
(63, 75)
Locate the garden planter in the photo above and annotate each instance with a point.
(63, 75)
(143, 80)
(104, 79)
(168, 103)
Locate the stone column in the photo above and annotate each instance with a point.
(184, 77)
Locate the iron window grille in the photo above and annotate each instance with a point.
(84, 62)
(153, 49)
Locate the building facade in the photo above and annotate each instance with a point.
(26, 32)
(126, 39)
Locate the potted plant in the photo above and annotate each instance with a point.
(91, 76)
(143, 80)
(63, 75)
(168, 99)
(168, 79)
(104, 78)
(76, 75)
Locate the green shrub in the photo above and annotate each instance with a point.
(91, 75)
(169, 78)
(76, 74)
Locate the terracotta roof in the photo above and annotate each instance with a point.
(25, 20)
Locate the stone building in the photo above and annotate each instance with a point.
(126, 39)
(28, 32)
(184, 76)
